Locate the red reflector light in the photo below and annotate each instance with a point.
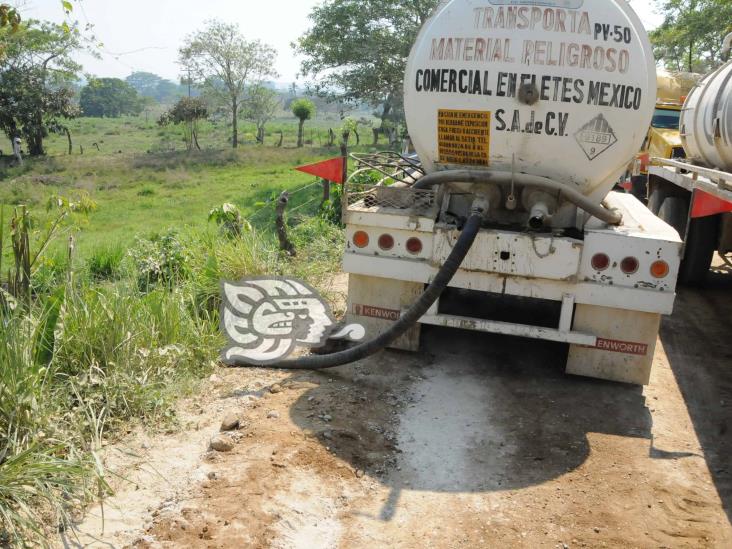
(659, 269)
(629, 265)
(386, 242)
(414, 245)
(600, 262)
(360, 239)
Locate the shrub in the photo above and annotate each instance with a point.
(331, 209)
(229, 219)
(159, 260)
(83, 360)
(320, 249)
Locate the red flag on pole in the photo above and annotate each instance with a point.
(332, 169)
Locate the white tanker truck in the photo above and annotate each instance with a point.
(523, 115)
(695, 195)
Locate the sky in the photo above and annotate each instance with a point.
(144, 35)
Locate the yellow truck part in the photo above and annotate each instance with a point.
(663, 139)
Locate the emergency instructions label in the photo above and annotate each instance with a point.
(464, 137)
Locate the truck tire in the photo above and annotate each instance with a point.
(700, 245)
(675, 211)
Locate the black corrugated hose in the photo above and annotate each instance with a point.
(412, 315)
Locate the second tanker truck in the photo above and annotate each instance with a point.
(695, 195)
(523, 115)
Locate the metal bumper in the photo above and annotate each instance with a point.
(563, 333)
(588, 293)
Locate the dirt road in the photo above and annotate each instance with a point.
(475, 441)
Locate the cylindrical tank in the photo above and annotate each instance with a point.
(563, 89)
(674, 87)
(706, 121)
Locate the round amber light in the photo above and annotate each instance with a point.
(360, 239)
(386, 242)
(659, 269)
(600, 262)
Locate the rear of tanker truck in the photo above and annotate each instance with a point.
(528, 112)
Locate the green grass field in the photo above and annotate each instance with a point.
(142, 134)
(146, 189)
(131, 323)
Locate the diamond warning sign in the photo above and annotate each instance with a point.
(596, 137)
(464, 137)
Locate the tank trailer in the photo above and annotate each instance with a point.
(523, 116)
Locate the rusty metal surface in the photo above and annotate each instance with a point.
(377, 198)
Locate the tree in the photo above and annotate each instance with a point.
(348, 127)
(357, 49)
(9, 17)
(690, 37)
(145, 83)
(261, 105)
(187, 111)
(9, 23)
(303, 109)
(149, 84)
(227, 64)
(109, 97)
(168, 91)
(35, 76)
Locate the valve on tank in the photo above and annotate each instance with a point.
(540, 205)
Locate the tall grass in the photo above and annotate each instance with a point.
(99, 349)
(105, 262)
(41, 469)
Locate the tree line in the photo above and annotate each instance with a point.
(354, 53)
(690, 37)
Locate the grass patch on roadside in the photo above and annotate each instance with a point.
(98, 352)
(126, 321)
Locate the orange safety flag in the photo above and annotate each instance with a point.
(332, 169)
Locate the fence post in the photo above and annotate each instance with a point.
(326, 191)
(285, 244)
(344, 154)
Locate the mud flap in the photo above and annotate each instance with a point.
(377, 302)
(625, 346)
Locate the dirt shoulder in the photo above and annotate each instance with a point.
(476, 440)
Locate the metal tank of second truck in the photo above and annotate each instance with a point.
(706, 118)
(524, 113)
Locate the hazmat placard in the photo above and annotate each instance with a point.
(464, 137)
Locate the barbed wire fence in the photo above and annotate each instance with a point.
(275, 206)
(271, 203)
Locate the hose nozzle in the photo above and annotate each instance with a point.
(539, 216)
(540, 206)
